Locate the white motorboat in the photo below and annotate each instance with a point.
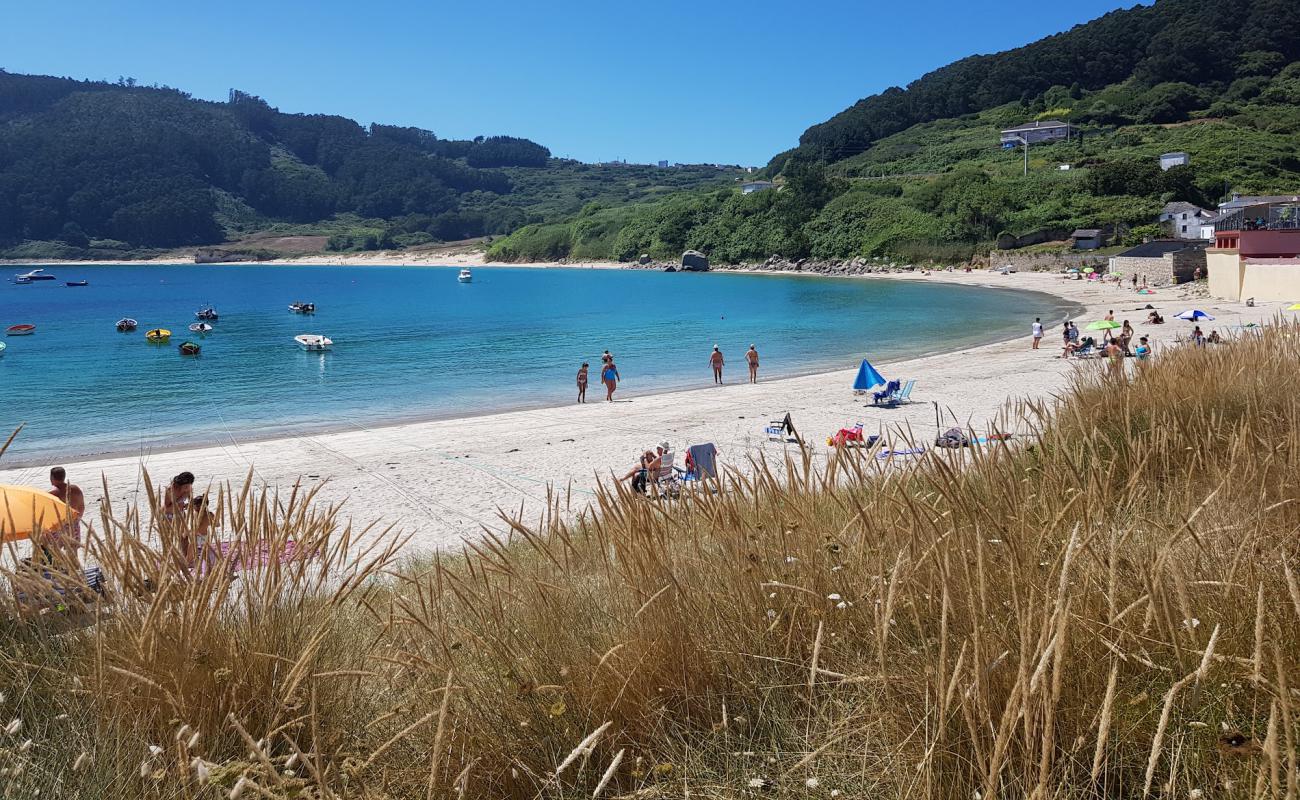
(34, 275)
(313, 343)
(465, 276)
(200, 327)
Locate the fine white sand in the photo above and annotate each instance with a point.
(446, 480)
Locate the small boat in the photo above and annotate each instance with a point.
(206, 314)
(34, 275)
(158, 336)
(2, 348)
(312, 342)
(76, 283)
(465, 276)
(126, 325)
(200, 327)
(189, 349)
(303, 308)
(20, 330)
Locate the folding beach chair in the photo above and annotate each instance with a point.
(883, 396)
(900, 397)
(782, 430)
(665, 478)
(55, 590)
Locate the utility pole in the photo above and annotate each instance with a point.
(1025, 142)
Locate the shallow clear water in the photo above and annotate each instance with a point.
(412, 342)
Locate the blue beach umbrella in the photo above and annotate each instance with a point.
(867, 378)
(1195, 315)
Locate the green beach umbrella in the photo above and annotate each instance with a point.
(1088, 270)
(1293, 307)
(1104, 325)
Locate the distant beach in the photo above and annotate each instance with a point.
(449, 479)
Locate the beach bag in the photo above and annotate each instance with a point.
(953, 437)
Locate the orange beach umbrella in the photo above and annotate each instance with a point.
(24, 510)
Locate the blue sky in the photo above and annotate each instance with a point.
(729, 81)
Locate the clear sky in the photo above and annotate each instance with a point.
(728, 81)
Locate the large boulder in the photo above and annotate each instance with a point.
(695, 261)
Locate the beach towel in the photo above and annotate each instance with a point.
(701, 462)
(906, 451)
(243, 556)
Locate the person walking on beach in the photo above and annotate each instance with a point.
(752, 358)
(715, 361)
(582, 383)
(1038, 331)
(610, 377)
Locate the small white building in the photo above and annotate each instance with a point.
(1170, 160)
(1048, 130)
(749, 187)
(1185, 220)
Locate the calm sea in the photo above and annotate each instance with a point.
(412, 342)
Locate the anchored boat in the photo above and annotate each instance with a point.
(158, 336)
(2, 348)
(126, 325)
(200, 327)
(206, 314)
(76, 283)
(303, 308)
(20, 330)
(34, 275)
(312, 342)
(189, 349)
(465, 276)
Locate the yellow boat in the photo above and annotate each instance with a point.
(158, 335)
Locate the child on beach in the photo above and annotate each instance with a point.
(582, 383)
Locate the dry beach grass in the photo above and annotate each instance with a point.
(1106, 608)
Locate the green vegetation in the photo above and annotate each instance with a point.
(155, 168)
(918, 173)
(1104, 607)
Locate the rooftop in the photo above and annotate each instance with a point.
(1158, 248)
(1047, 123)
(1173, 155)
(1179, 207)
(1086, 233)
(1247, 200)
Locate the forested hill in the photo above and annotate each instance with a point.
(918, 173)
(1166, 48)
(100, 167)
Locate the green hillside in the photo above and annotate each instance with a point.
(94, 169)
(918, 172)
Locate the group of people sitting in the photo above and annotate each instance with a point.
(1115, 346)
(650, 465)
(657, 468)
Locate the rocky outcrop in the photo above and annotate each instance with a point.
(695, 261)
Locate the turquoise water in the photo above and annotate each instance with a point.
(412, 342)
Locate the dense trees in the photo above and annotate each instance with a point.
(83, 160)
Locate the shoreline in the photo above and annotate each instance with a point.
(447, 479)
(27, 461)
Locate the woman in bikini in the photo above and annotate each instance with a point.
(582, 383)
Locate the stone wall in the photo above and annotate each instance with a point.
(1043, 262)
(1172, 268)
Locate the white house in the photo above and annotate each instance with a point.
(1184, 220)
(1047, 130)
(749, 187)
(1171, 160)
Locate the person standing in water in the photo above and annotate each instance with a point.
(752, 358)
(610, 377)
(715, 361)
(582, 383)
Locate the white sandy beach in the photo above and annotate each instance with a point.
(446, 480)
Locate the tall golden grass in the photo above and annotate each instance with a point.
(1106, 608)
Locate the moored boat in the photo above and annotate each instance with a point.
(465, 276)
(20, 330)
(303, 308)
(126, 325)
(76, 283)
(2, 348)
(189, 349)
(158, 336)
(206, 314)
(200, 327)
(312, 342)
(34, 275)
